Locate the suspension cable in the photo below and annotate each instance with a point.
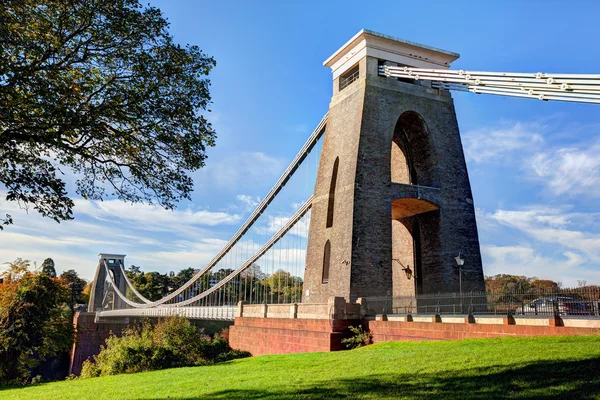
(285, 177)
(581, 88)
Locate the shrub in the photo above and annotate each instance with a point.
(359, 338)
(172, 342)
(231, 355)
(225, 333)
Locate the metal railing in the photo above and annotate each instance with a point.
(543, 303)
(347, 80)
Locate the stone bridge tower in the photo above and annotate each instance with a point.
(393, 204)
(98, 292)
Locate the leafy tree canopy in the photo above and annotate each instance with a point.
(48, 268)
(16, 269)
(35, 323)
(517, 283)
(76, 286)
(98, 88)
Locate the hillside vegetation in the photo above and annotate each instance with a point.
(522, 368)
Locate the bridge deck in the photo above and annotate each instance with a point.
(206, 313)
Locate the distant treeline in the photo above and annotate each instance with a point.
(280, 286)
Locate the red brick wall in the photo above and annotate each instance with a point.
(384, 331)
(278, 336)
(90, 336)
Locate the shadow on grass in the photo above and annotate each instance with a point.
(542, 380)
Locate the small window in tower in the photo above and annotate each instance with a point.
(348, 77)
(326, 261)
(111, 261)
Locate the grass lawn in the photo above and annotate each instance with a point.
(523, 368)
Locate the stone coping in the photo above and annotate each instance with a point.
(569, 321)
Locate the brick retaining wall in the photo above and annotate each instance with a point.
(90, 335)
(279, 336)
(384, 331)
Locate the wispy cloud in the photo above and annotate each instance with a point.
(250, 201)
(243, 170)
(151, 217)
(501, 142)
(568, 268)
(553, 226)
(149, 234)
(274, 223)
(568, 171)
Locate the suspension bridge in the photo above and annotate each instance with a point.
(376, 204)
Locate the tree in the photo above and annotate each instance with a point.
(545, 284)
(85, 293)
(48, 268)
(182, 277)
(507, 283)
(98, 87)
(285, 287)
(16, 269)
(75, 285)
(521, 284)
(35, 323)
(133, 271)
(152, 285)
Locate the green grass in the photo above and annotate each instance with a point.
(522, 368)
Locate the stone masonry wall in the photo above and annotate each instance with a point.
(360, 128)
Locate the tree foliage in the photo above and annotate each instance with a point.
(518, 283)
(98, 88)
(76, 286)
(35, 323)
(359, 338)
(16, 269)
(48, 268)
(154, 285)
(279, 287)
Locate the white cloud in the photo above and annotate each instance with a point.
(569, 171)
(250, 201)
(524, 260)
(274, 224)
(553, 226)
(151, 217)
(186, 254)
(485, 223)
(490, 144)
(571, 168)
(245, 170)
(170, 239)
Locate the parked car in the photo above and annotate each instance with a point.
(545, 306)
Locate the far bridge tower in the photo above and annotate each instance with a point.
(99, 295)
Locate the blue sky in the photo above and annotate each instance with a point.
(534, 166)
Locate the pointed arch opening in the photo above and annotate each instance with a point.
(331, 200)
(326, 262)
(414, 219)
(411, 153)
